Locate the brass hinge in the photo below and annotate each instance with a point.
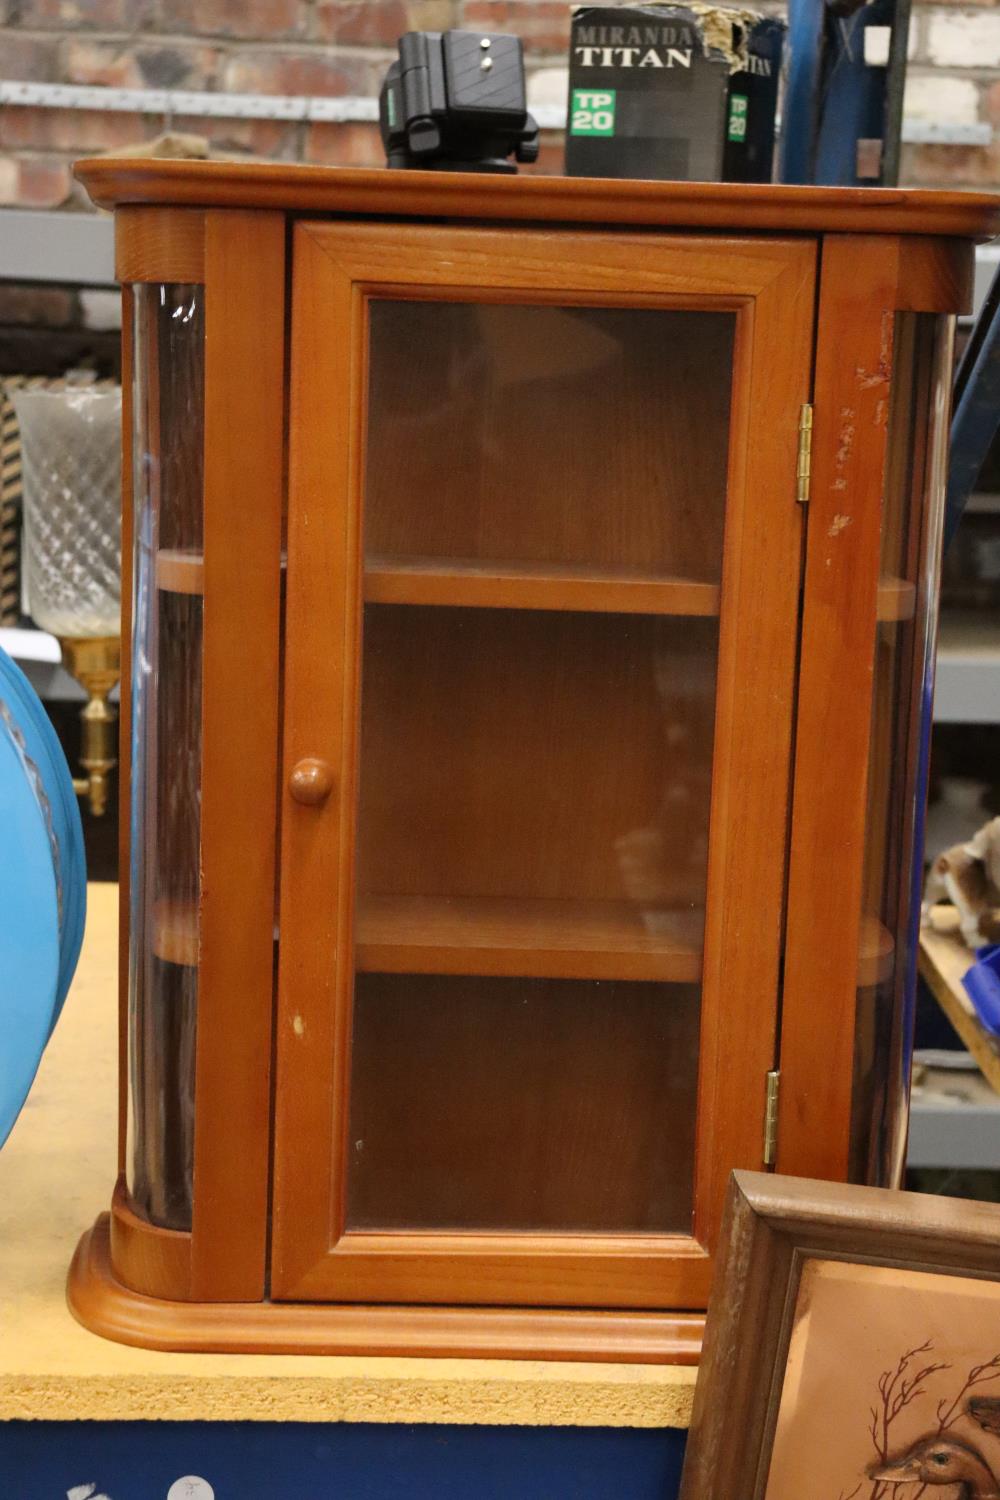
(771, 1117)
(803, 468)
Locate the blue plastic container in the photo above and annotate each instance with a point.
(982, 985)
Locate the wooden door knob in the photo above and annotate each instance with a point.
(311, 781)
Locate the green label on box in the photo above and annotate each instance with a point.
(592, 112)
(737, 118)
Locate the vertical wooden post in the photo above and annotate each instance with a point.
(244, 477)
(853, 374)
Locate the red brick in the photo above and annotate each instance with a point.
(432, 15)
(355, 144)
(543, 24)
(380, 23)
(79, 200)
(121, 64)
(178, 67)
(368, 23)
(29, 59)
(250, 20)
(38, 306)
(277, 140)
(110, 64)
(77, 15)
(44, 184)
(951, 166)
(34, 182)
(304, 73)
(990, 98)
(73, 130)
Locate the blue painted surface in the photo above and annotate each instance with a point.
(43, 885)
(833, 98)
(800, 110)
(853, 98)
(307, 1461)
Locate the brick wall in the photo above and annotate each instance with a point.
(954, 79)
(341, 47)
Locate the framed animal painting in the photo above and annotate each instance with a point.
(852, 1350)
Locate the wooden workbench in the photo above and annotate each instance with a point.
(944, 959)
(54, 1173)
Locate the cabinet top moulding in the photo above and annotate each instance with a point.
(357, 191)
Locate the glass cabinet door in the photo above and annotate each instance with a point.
(538, 665)
(541, 623)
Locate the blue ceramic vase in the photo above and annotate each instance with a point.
(43, 886)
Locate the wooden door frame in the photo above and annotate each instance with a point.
(239, 258)
(854, 364)
(768, 284)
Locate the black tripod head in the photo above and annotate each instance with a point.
(455, 102)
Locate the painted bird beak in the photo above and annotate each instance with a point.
(896, 1472)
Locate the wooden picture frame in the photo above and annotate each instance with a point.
(817, 1285)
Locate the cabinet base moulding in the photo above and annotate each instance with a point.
(101, 1303)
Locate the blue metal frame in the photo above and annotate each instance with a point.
(833, 98)
(800, 110)
(976, 412)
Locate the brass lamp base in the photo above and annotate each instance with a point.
(95, 662)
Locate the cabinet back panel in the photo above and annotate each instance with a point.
(549, 434)
(536, 754)
(522, 1104)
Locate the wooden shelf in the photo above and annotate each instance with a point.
(897, 599)
(183, 572)
(474, 583)
(522, 938)
(180, 572)
(876, 955)
(175, 932)
(983, 503)
(526, 938)
(482, 935)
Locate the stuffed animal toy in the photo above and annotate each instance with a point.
(968, 876)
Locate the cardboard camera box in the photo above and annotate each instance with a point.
(687, 92)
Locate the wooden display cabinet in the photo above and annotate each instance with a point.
(527, 739)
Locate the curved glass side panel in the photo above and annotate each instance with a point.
(166, 748)
(912, 512)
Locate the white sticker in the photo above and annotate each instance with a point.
(191, 1488)
(876, 44)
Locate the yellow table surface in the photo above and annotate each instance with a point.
(56, 1175)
